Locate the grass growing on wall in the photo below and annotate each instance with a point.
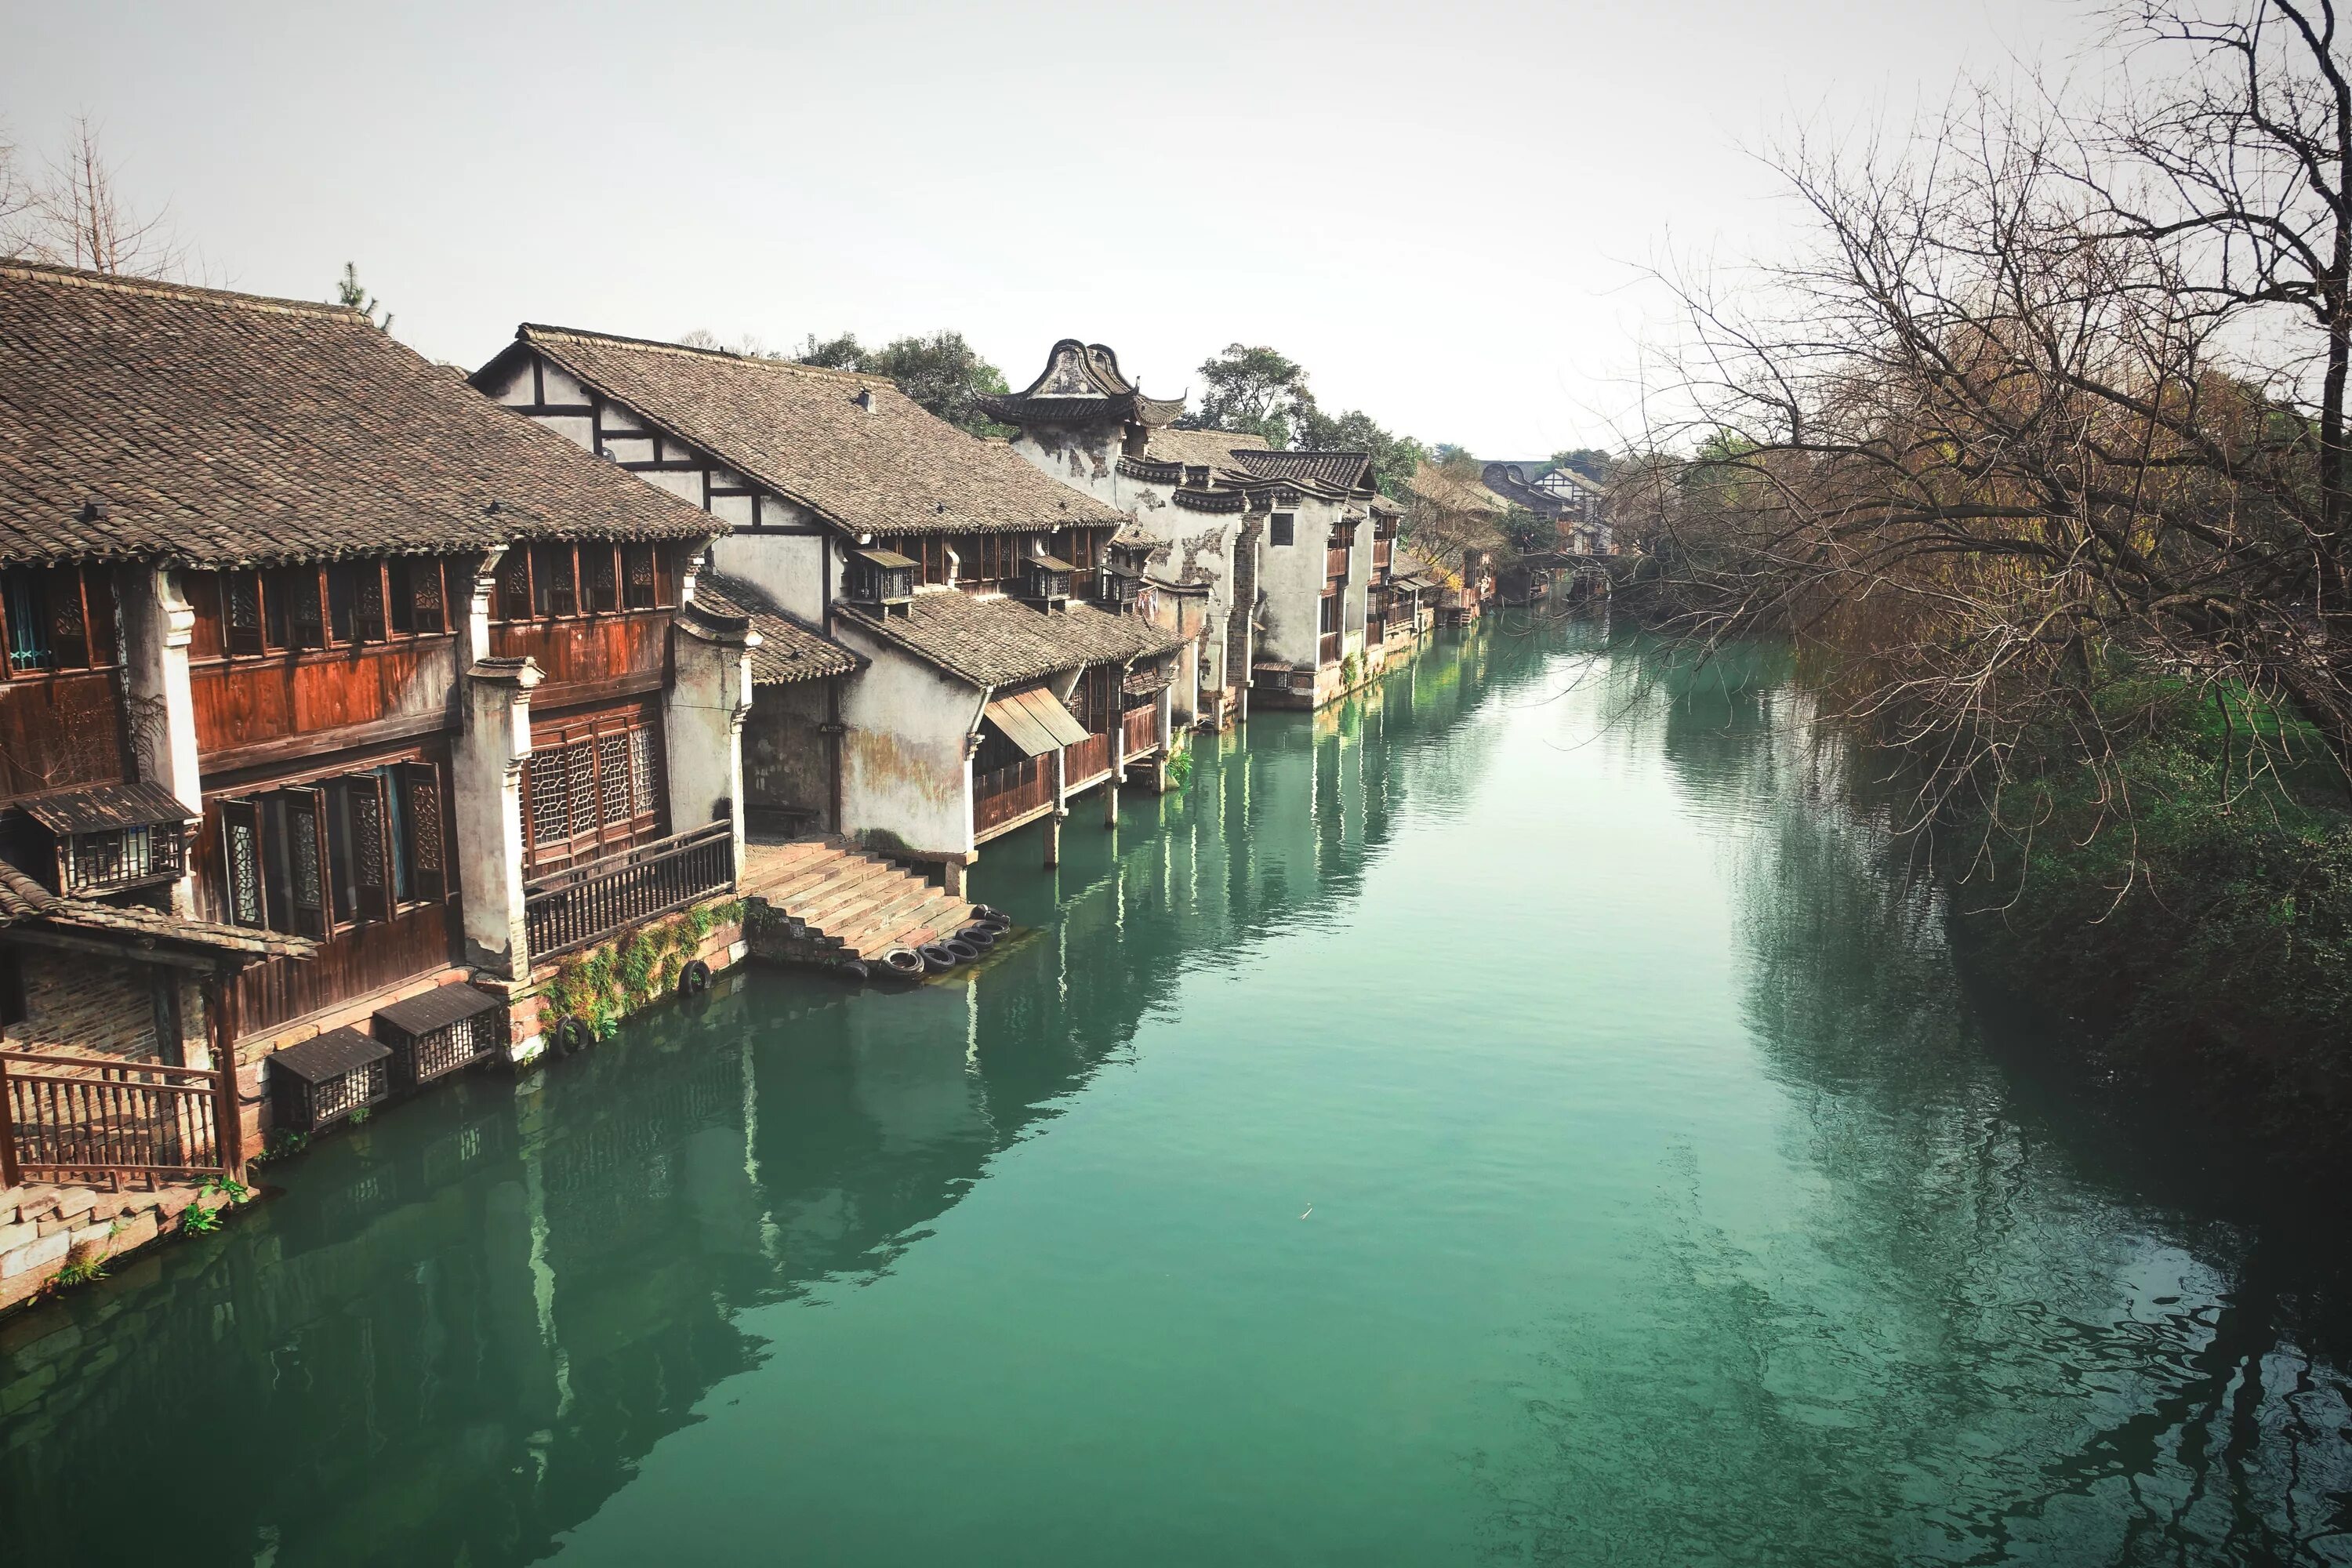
(606, 983)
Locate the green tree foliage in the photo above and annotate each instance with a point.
(843, 353)
(940, 370)
(1253, 391)
(1394, 457)
(1593, 463)
(352, 295)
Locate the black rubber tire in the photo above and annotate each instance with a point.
(994, 916)
(903, 964)
(573, 1036)
(937, 958)
(855, 969)
(980, 936)
(964, 952)
(694, 979)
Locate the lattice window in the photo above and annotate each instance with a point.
(550, 817)
(302, 845)
(643, 591)
(613, 776)
(641, 772)
(424, 853)
(580, 785)
(367, 830)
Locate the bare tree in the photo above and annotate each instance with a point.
(2056, 401)
(79, 219)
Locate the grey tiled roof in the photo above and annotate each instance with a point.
(789, 650)
(1213, 449)
(992, 641)
(889, 469)
(218, 428)
(24, 901)
(1343, 470)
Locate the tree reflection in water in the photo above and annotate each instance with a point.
(1992, 1333)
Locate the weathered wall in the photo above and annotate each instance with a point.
(784, 750)
(906, 778)
(76, 1006)
(1084, 460)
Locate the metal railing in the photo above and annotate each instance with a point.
(587, 903)
(1003, 793)
(92, 1119)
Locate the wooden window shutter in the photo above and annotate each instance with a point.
(420, 799)
(368, 800)
(308, 863)
(241, 610)
(242, 872)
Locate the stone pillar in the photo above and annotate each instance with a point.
(951, 877)
(1111, 795)
(1161, 783)
(487, 766)
(156, 627)
(1054, 836)
(703, 711)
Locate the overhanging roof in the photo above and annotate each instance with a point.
(1037, 722)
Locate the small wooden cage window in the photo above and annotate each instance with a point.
(881, 577)
(1119, 588)
(1049, 578)
(325, 1079)
(445, 1030)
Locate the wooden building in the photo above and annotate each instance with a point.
(1279, 546)
(309, 644)
(1575, 506)
(986, 662)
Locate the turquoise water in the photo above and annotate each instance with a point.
(1519, 1118)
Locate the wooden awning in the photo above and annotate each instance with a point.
(108, 808)
(1036, 721)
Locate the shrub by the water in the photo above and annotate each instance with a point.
(2211, 932)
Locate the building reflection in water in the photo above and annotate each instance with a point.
(461, 1327)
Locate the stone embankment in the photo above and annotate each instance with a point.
(46, 1231)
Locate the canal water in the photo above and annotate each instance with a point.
(1519, 1117)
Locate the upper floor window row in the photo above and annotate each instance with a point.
(54, 618)
(342, 604)
(541, 581)
(992, 561)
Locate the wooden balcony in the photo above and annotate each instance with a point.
(585, 904)
(1141, 731)
(1009, 795)
(1085, 761)
(96, 1120)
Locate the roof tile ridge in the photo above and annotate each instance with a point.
(30, 272)
(541, 331)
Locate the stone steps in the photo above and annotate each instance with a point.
(852, 905)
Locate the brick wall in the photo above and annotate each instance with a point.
(79, 1006)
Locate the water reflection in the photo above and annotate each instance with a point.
(1976, 1339)
(460, 1330)
(1938, 1312)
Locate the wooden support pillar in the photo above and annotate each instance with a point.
(1110, 799)
(220, 1033)
(1053, 837)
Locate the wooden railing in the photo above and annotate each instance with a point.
(587, 903)
(90, 1119)
(1087, 760)
(1141, 735)
(1005, 794)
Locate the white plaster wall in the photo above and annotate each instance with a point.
(1291, 577)
(516, 388)
(789, 567)
(904, 769)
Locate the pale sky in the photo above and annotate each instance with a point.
(1441, 211)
